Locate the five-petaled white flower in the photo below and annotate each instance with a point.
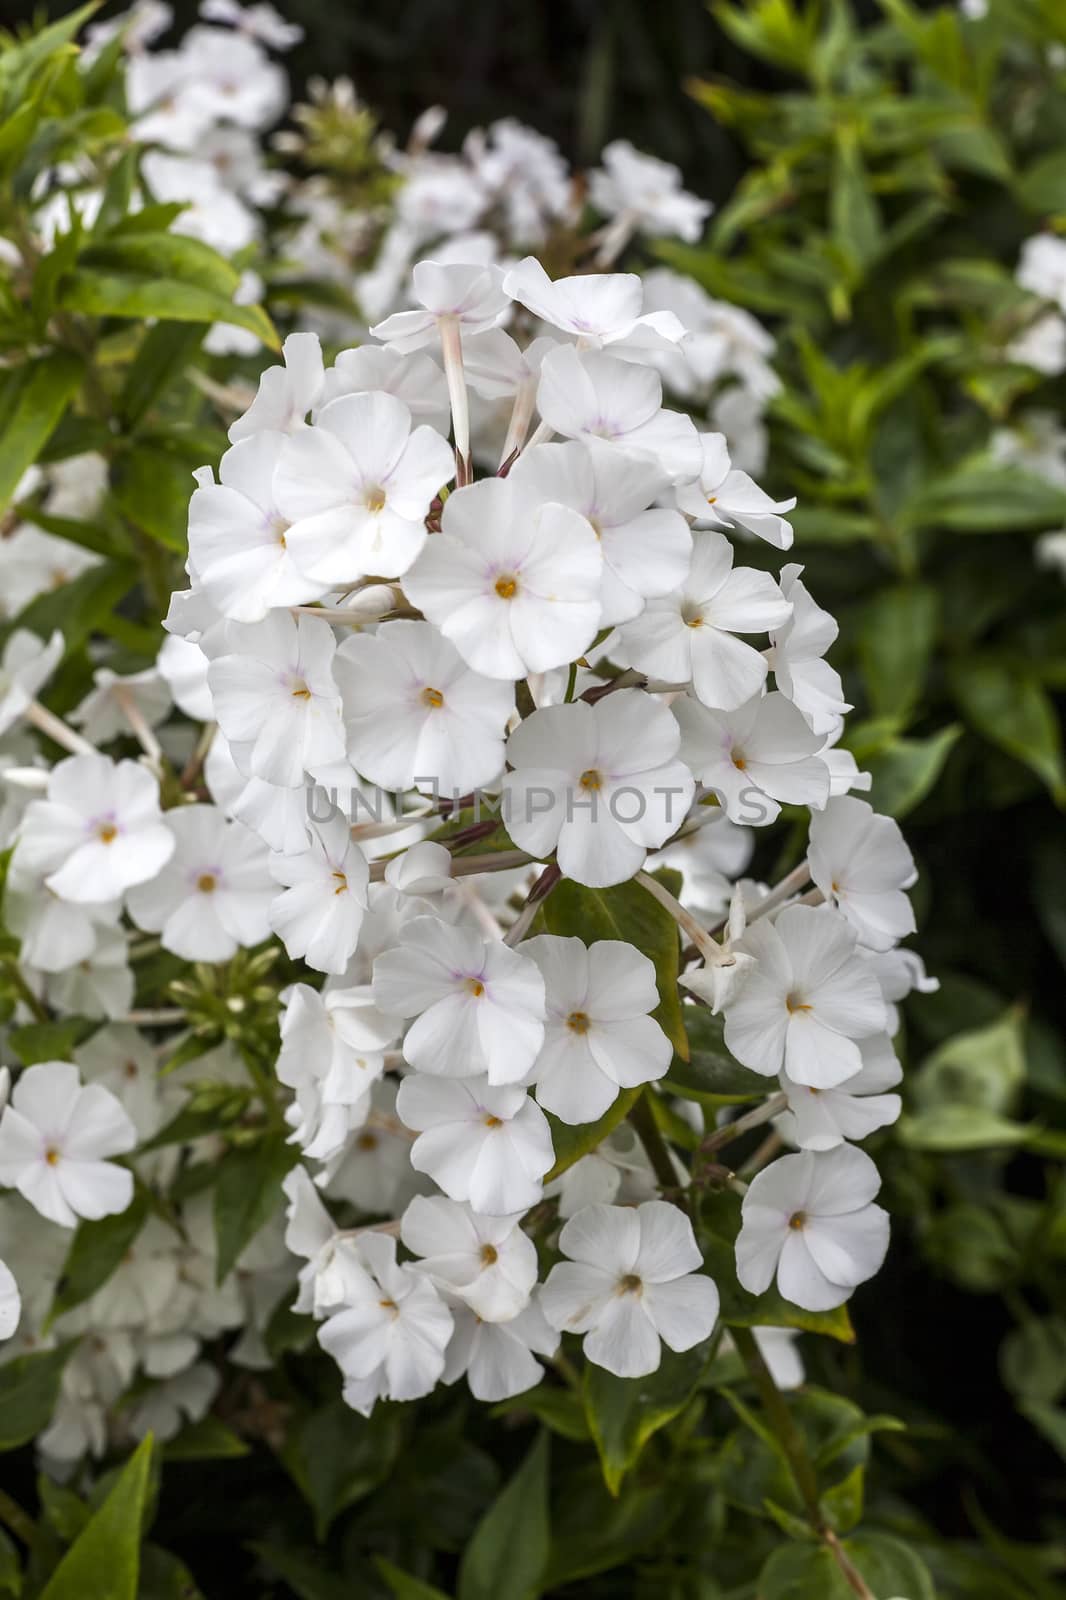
(56, 1137)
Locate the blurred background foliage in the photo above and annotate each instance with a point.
(876, 170)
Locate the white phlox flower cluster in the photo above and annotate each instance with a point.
(488, 608)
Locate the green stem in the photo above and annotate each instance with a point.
(780, 1420)
(647, 1129)
(19, 1521)
(24, 992)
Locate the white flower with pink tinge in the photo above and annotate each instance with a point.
(479, 1006)
(490, 1146)
(99, 831)
(56, 1137)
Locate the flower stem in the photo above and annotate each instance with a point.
(47, 722)
(647, 1130)
(751, 1119)
(685, 921)
(784, 1428)
(19, 1521)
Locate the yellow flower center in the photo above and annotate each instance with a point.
(432, 698)
(590, 779)
(341, 882)
(578, 1022)
(489, 1255)
(475, 987)
(206, 882)
(493, 1122)
(107, 833)
(507, 588)
(51, 1155)
(630, 1284)
(375, 498)
(797, 1220)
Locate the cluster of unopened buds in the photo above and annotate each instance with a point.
(547, 618)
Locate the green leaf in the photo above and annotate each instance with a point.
(982, 1068)
(48, 1041)
(627, 912)
(112, 294)
(336, 1457)
(164, 1577)
(29, 1389)
(907, 769)
(78, 608)
(403, 1586)
(559, 1409)
(1032, 1359)
(46, 386)
(164, 351)
(986, 497)
(1016, 713)
(806, 1572)
(1042, 186)
(953, 1128)
(710, 1075)
(843, 1503)
(1048, 1420)
(247, 1195)
(97, 1250)
(104, 1561)
(571, 1141)
(10, 1566)
(508, 1553)
(206, 1440)
(854, 216)
(305, 1573)
(896, 639)
(623, 1413)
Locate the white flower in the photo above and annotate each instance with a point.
(1042, 268)
(54, 933)
(259, 21)
(710, 859)
(99, 832)
(213, 895)
(514, 586)
(820, 1119)
(238, 538)
(632, 1279)
(415, 379)
(690, 635)
(232, 79)
(389, 1339)
(646, 549)
(808, 1220)
(599, 784)
(26, 665)
(862, 865)
(586, 395)
(101, 985)
(598, 308)
(55, 1140)
(103, 713)
(332, 1054)
(807, 1001)
(641, 187)
(722, 497)
(491, 1146)
(321, 911)
(757, 758)
(488, 1262)
(415, 712)
(479, 1005)
(356, 487)
(334, 1272)
(798, 646)
(286, 394)
(10, 1302)
(599, 1037)
(275, 698)
(123, 1062)
(470, 295)
(498, 1358)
